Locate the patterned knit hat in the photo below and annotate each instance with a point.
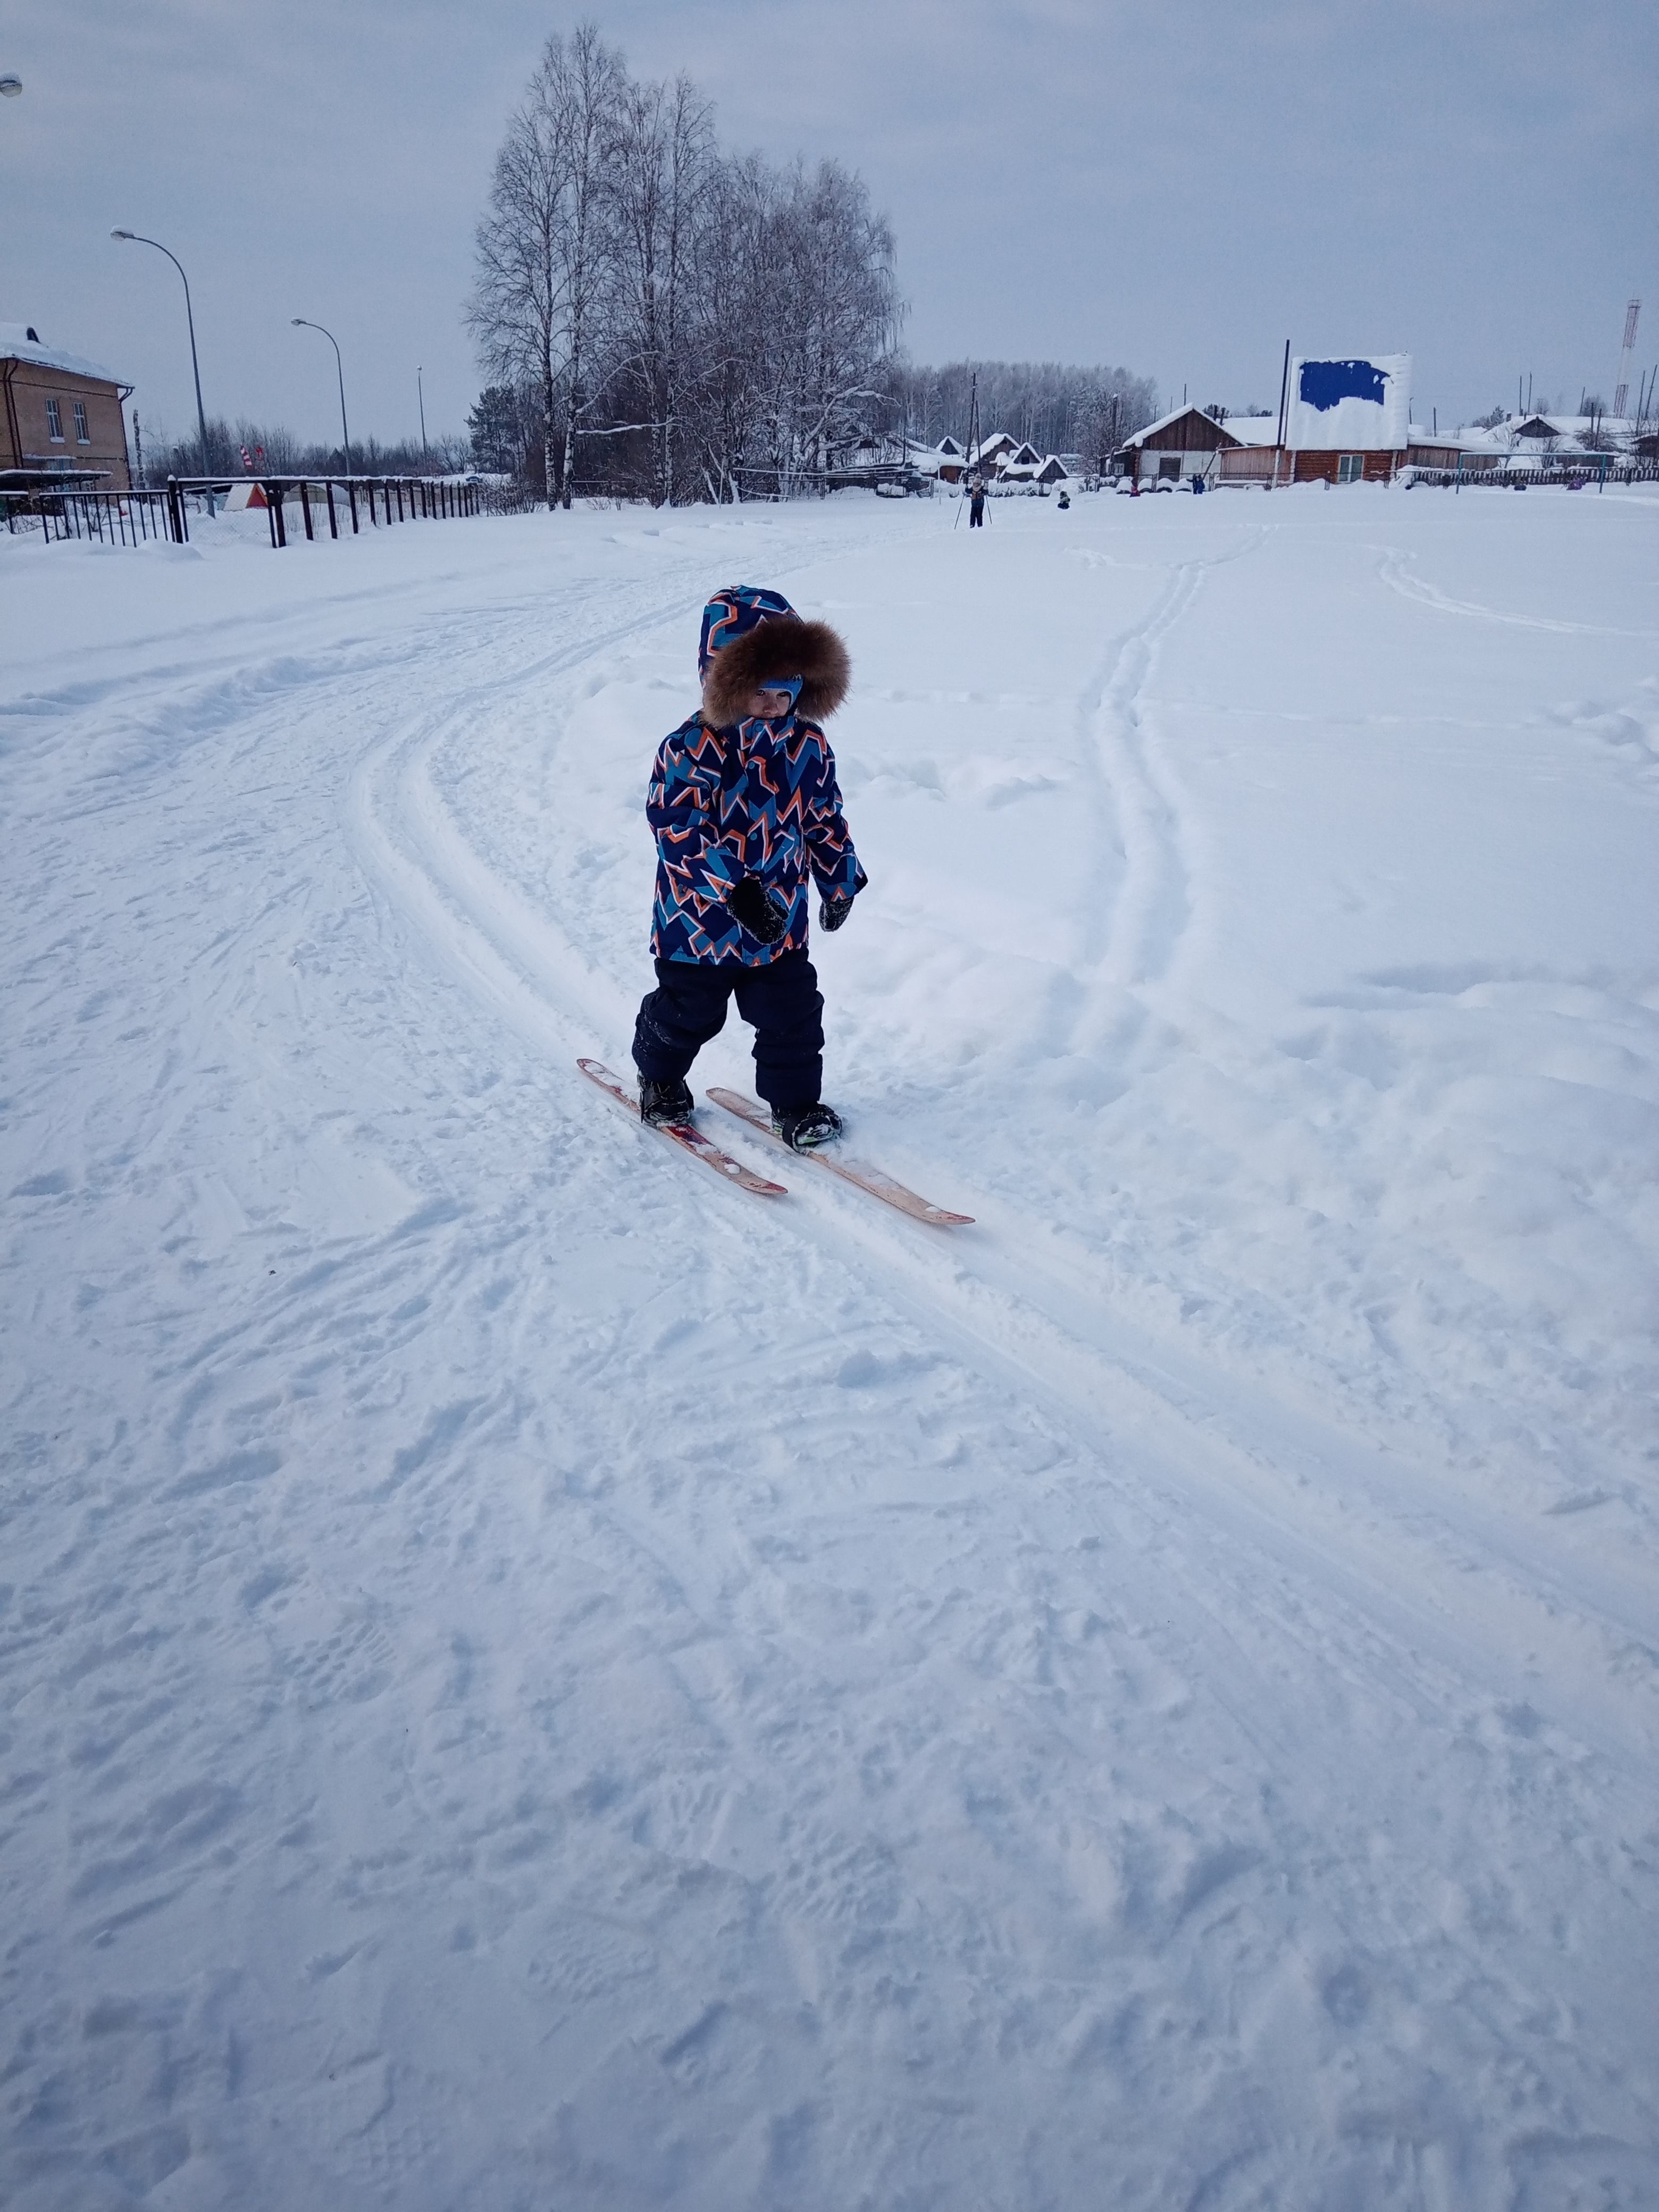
(732, 612)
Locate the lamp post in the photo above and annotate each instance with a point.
(134, 238)
(301, 323)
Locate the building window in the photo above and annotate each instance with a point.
(1350, 467)
(54, 422)
(82, 436)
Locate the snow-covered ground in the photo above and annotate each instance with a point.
(533, 1680)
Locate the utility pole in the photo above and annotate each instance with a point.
(1632, 316)
(420, 391)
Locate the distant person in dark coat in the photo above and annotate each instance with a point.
(976, 505)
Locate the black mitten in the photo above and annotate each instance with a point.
(751, 904)
(833, 909)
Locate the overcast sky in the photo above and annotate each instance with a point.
(1177, 186)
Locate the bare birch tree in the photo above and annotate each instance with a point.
(542, 253)
(727, 380)
(663, 169)
(842, 309)
(703, 327)
(517, 308)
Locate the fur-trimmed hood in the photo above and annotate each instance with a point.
(781, 645)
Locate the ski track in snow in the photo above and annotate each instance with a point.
(1395, 570)
(527, 962)
(530, 1673)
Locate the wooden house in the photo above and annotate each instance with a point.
(992, 454)
(1176, 448)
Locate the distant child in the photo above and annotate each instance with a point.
(976, 505)
(745, 808)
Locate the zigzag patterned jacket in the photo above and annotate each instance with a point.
(757, 800)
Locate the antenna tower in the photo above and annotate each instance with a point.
(1632, 315)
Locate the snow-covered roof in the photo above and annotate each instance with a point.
(1536, 426)
(1484, 438)
(16, 344)
(1253, 429)
(929, 457)
(1147, 435)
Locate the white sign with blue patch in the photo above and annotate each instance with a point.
(1351, 405)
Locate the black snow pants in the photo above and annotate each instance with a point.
(781, 1001)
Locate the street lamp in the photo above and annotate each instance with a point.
(301, 323)
(137, 239)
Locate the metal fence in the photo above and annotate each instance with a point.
(345, 504)
(1576, 476)
(110, 517)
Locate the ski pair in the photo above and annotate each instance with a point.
(691, 1139)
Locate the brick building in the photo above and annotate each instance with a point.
(59, 414)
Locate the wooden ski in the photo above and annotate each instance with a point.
(878, 1183)
(684, 1134)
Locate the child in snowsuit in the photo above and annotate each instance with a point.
(745, 810)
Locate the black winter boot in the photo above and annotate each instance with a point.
(803, 1127)
(664, 1102)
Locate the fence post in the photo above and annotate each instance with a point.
(304, 507)
(175, 513)
(333, 524)
(351, 494)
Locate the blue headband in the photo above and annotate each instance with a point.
(790, 684)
